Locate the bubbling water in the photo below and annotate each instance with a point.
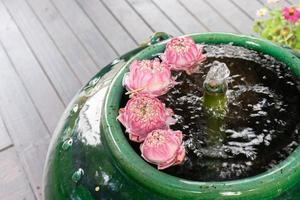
(217, 74)
(259, 129)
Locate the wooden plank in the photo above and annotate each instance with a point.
(27, 130)
(292, 2)
(154, 17)
(33, 158)
(5, 141)
(213, 20)
(129, 19)
(248, 7)
(180, 16)
(45, 50)
(232, 14)
(29, 71)
(279, 4)
(74, 52)
(113, 31)
(94, 41)
(13, 181)
(288, 3)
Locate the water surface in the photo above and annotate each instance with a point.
(261, 124)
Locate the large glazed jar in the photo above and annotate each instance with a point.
(89, 157)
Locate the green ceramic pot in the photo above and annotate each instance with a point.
(90, 158)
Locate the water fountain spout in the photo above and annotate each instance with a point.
(215, 100)
(215, 87)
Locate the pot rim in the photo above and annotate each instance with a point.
(268, 184)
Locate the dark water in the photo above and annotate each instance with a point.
(260, 127)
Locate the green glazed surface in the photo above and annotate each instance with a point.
(88, 162)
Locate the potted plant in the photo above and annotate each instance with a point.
(279, 24)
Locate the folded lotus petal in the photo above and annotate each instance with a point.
(183, 54)
(164, 148)
(180, 156)
(143, 114)
(149, 77)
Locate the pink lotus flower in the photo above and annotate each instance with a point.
(291, 14)
(163, 148)
(149, 77)
(183, 54)
(143, 114)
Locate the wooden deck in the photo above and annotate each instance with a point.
(50, 48)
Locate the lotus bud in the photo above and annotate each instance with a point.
(183, 54)
(149, 77)
(143, 114)
(163, 148)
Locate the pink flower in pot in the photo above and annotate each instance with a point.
(143, 114)
(183, 54)
(291, 14)
(149, 77)
(163, 148)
